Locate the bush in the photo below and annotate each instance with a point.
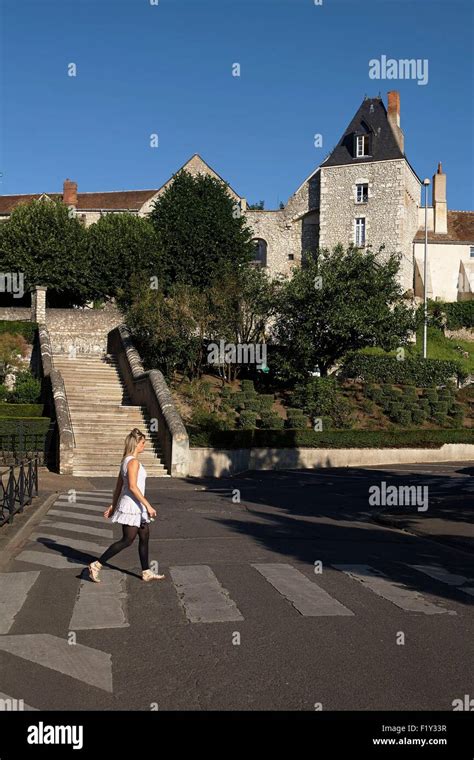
(247, 385)
(457, 409)
(226, 392)
(441, 407)
(368, 390)
(441, 419)
(27, 389)
(248, 420)
(424, 404)
(377, 395)
(3, 392)
(367, 406)
(205, 420)
(267, 400)
(418, 416)
(402, 417)
(28, 425)
(387, 369)
(271, 421)
(409, 392)
(431, 394)
(459, 314)
(395, 410)
(252, 404)
(26, 329)
(296, 423)
(317, 396)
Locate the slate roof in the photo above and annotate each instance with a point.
(373, 114)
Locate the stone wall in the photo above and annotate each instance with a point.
(15, 313)
(391, 211)
(82, 330)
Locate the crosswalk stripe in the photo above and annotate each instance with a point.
(203, 598)
(440, 574)
(78, 498)
(397, 593)
(101, 605)
(14, 588)
(55, 540)
(73, 514)
(89, 507)
(91, 666)
(11, 704)
(305, 595)
(87, 529)
(47, 559)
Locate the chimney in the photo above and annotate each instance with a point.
(70, 193)
(393, 115)
(440, 206)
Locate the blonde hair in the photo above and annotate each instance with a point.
(132, 440)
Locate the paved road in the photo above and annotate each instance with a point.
(291, 599)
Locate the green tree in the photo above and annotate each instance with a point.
(203, 234)
(48, 245)
(121, 245)
(340, 301)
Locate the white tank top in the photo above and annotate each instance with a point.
(141, 480)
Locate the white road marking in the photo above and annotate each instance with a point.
(305, 595)
(203, 598)
(14, 588)
(406, 598)
(440, 574)
(101, 605)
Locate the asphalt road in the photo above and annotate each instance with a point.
(292, 598)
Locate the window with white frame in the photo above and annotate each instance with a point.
(471, 253)
(362, 193)
(362, 146)
(359, 232)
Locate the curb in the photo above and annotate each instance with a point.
(10, 549)
(391, 523)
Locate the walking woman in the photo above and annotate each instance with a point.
(130, 508)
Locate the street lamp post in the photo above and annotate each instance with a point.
(426, 183)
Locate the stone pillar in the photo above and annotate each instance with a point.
(38, 305)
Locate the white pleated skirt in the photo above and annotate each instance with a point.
(128, 512)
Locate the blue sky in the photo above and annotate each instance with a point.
(166, 69)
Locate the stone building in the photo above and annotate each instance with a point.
(365, 193)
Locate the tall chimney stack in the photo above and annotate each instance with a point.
(70, 193)
(440, 205)
(393, 114)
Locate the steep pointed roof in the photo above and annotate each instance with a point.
(371, 118)
(196, 165)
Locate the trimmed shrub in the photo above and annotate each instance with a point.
(457, 409)
(409, 392)
(441, 419)
(205, 420)
(368, 390)
(272, 421)
(395, 410)
(431, 394)
(424, 404)
(441, 407)
(267, 400)
(387, 369)
(252, 405)
(339, 439)
(226, 392)
(367, 406)
(404, 417)
(248, 386)
(248, 420)
(296, 423)
(418, 416)
(21, 410)
(27, 425)
(377, 395)
(317, 396)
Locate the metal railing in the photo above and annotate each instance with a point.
(18, 485)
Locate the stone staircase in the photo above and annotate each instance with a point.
(102, 415)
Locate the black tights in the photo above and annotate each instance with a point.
(129, 536)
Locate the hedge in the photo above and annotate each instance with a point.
(21, 410)
(33, 425)
(459, 314)
(337, 439)
(27, 329)
(413, 370)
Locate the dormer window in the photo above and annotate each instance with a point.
(362, 146)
